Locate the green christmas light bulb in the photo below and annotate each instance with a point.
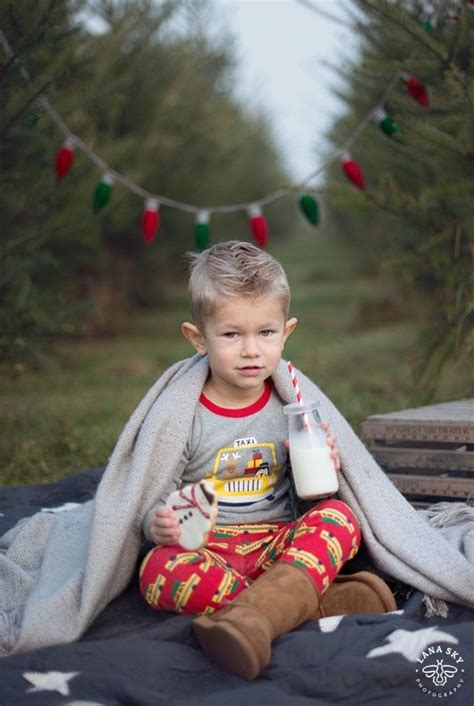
(201, 231)
(428, 26)
(386, 123)
(102, 192)
(31, 117)
(310, 208)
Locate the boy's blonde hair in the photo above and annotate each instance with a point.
(233, 269)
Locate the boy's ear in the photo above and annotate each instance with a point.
(194, 336)
(289, 327)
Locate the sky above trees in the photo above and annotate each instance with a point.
(282, 45)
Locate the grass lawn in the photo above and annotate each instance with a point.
(67, 415)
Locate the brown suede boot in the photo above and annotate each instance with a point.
(239, 636)
(363, 592)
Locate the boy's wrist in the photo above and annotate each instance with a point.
(147, 520)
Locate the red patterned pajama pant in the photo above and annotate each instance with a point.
(204, 580)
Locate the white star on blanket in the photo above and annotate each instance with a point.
(83, 703)
(61, 508)
(50, 681)
(331, 622)
(411, 644)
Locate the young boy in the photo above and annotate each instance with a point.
(262, 572)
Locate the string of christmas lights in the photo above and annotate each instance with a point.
(308, 205)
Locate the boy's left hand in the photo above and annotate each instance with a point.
(331, 439)
(333, 445)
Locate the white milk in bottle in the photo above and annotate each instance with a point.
(310, 455)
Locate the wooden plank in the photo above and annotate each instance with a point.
(436, 459)
(450, 422)
(406, 431)
(427, 452)
(444, 488)
(423, 504)
(458, 410)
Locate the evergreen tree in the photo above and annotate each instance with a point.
(151, 91)
(416, 220)
(43, 37)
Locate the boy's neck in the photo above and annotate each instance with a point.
(239, 398)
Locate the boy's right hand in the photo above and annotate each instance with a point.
(164, 526)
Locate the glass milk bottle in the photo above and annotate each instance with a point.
(310, 455)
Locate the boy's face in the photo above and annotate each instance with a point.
(244, 339)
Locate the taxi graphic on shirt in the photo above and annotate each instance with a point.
(245, 472)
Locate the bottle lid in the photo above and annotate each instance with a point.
(298, 408)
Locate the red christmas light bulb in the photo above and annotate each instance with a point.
(150, 220)
(418, 91)
(352, 171)
(64, 159)
(258, 225)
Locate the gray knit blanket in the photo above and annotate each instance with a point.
(59, 571)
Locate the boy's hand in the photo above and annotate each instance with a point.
(333, 445)
(331, 439)
(164, 526)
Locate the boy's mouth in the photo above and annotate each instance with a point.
(250, 369)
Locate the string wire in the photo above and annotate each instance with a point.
(43, 103)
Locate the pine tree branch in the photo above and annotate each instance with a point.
(454, 43)
(26, 105)
(5, 68)
(31, 40)
(457, 240)
(403, 214)
(405, 22)
(469, 310)
(324, 13)
(15, 243)
(424, 135)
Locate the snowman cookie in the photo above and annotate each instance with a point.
(195, 506)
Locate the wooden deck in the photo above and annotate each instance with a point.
(427, 452)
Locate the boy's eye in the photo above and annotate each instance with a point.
(230, 334)
(267, 332)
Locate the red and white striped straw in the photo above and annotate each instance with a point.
(294, 380)
(299, 395)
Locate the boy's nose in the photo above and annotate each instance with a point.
(250, 347)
